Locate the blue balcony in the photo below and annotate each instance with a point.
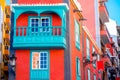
(42, 36)
(39, 37)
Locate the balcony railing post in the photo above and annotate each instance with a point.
(62, 32)
(29, 31)
(23, 31)
(18, 31)
(14, 31)
(50, 29)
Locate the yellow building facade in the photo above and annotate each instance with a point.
(5, 38)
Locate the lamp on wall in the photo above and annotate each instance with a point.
(87, 61)
(82, 19)
(13, 61)
(102, 1)
(105, 54)
(76, 10)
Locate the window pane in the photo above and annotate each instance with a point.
(42, 54)
(45, 54)
(34, 24)
(36, 30)
(35, 60)
(45, 22)
(36, 20)
(32, 20)
(45, 66)
(41, 62)
(44, 60)
(78, 66)
(88, 48)
(41, 66)
(77, 34)
(43, 29)
(41, 58)
(47, 29)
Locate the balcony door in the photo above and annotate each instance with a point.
(34, 23)
(40, 24)
(45, 24)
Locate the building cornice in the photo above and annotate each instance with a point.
(75, 7)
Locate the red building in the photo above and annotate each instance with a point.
(40, 40)
(108, 47)
(57, 39)
(83, 32)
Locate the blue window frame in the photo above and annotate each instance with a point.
(40, 23)
(77, 34)
(34, 24)
(45, 23)
(43, 60)
(78, 69)
(40, 60)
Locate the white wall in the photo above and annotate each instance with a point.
(1, 20)
(0, 57)
(97, 24)
(112, 29)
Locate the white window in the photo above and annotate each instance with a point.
(88, 74)
(1, 21)
(77, 34)
(94, 77)
(39, 60)
(0, 57)
(88, 48)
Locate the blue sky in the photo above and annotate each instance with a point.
(8, 1)
(113, 7)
